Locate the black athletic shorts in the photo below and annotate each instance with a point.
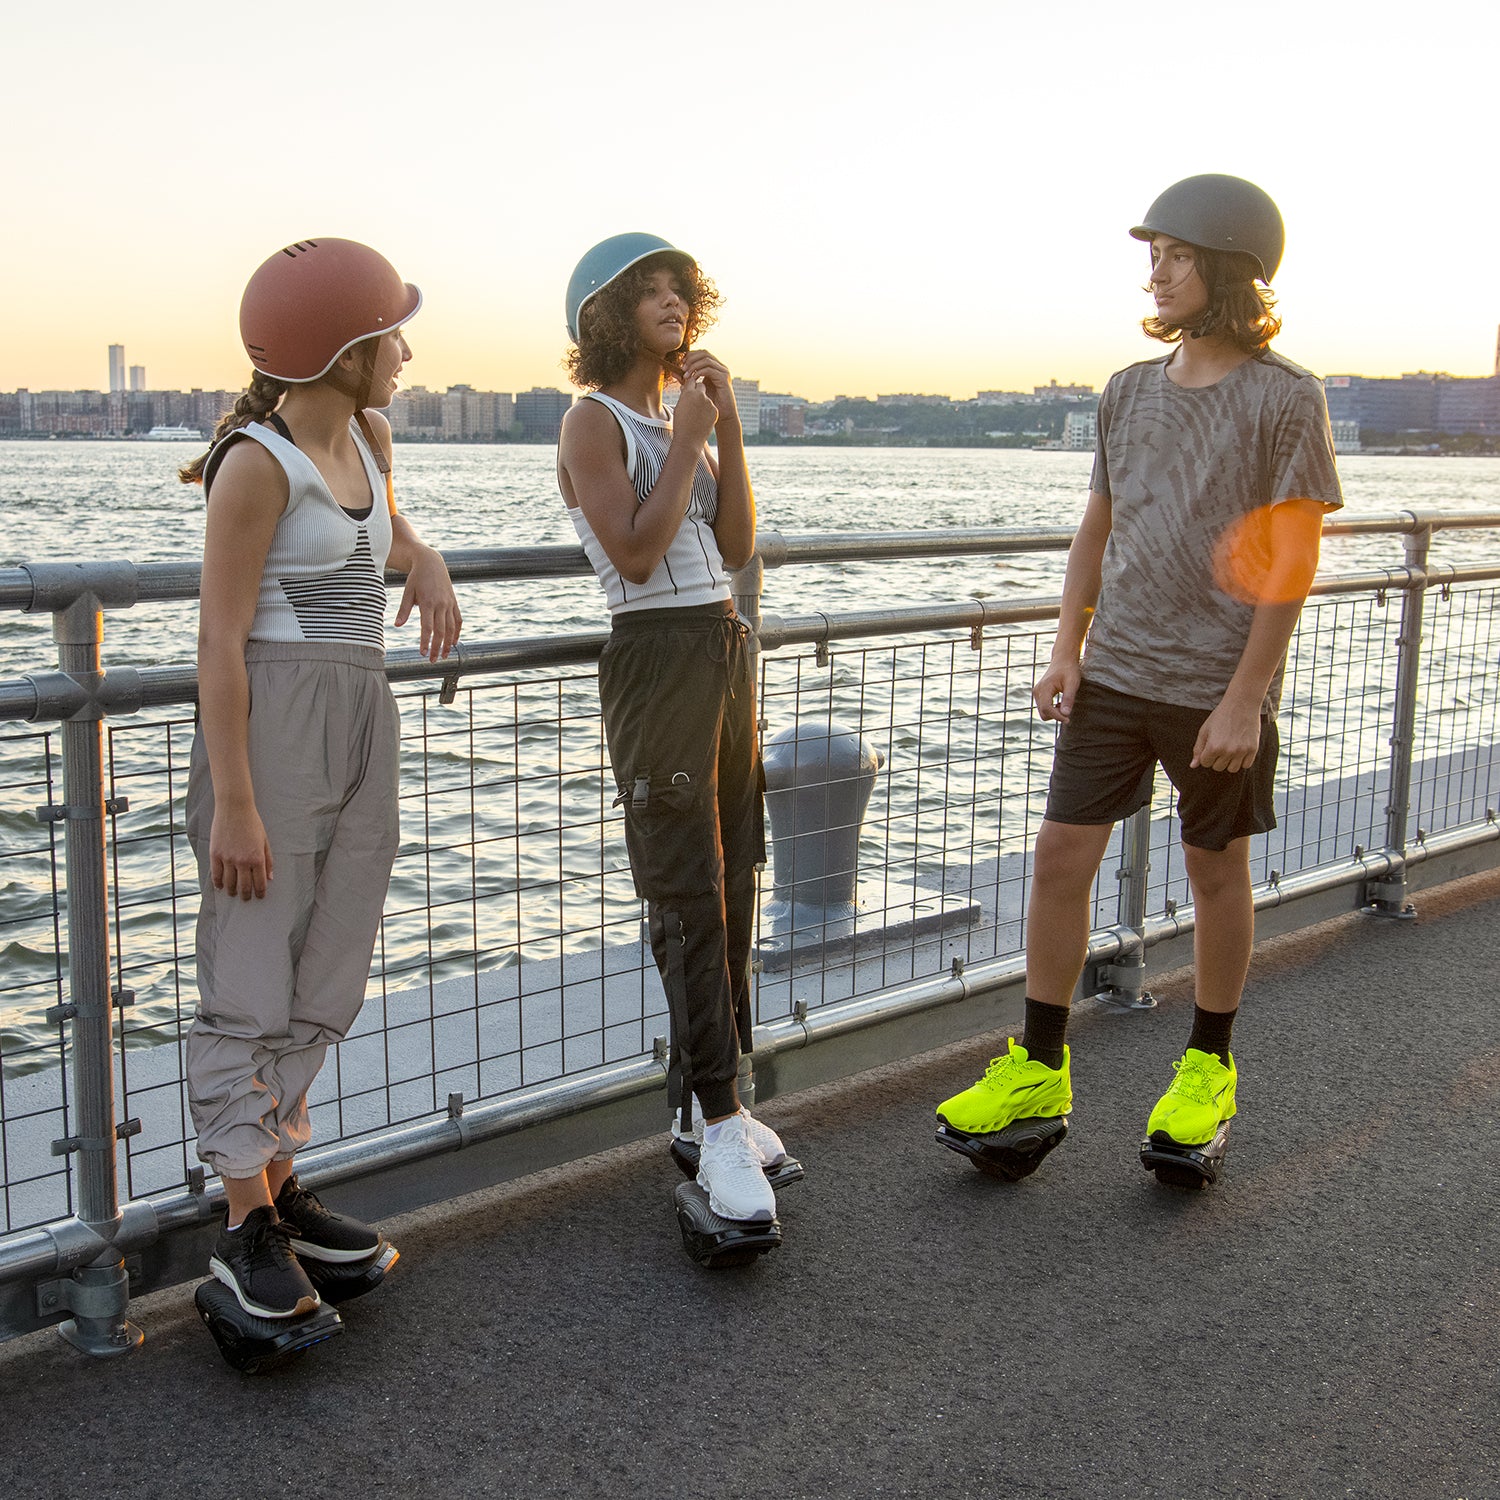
(1106, 761)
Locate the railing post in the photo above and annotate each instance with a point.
(747, 586)
(1386, 897)
(97, 1293)
(1122, 980)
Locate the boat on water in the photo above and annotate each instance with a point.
(174, 434)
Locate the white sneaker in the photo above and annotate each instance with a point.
(729, 1167)
(766, 1142)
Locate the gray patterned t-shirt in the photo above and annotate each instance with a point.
(1191, 476)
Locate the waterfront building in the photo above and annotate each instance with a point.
(747, 399)
(117, 367)
(1052, 391)
(782, 415)
(540, 412)
(1345, 436)
(1080, 429)
(1421, 401)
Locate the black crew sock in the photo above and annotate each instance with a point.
(1211, 1030)
(1046, 1026)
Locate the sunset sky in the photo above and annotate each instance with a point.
(912, 198)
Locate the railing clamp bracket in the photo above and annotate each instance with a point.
(71, 1143)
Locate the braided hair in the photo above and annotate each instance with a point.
(256, 402)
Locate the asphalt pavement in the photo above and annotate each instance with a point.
(1323, 1323)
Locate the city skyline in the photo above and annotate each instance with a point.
(883, 207)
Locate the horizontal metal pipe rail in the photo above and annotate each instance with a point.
(57, 696)
(44, 588)
(72, 1247)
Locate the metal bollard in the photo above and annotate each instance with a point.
(819, 777)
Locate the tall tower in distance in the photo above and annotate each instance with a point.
(1497, 352)
(117, 367)
(137, 377)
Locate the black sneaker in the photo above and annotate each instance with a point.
(256, 1263)
(317, 1233)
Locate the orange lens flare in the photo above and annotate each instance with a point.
(1269, 555)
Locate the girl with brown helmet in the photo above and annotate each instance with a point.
(291, 806)
(663, 525)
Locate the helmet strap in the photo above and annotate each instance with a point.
(376, 452)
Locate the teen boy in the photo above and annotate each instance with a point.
(1212, 473)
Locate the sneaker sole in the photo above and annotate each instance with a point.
(685, 1154)
(306, 1250)
(222, 1273)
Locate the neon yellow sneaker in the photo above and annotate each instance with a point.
(1014, 1087)
(1200, 1100)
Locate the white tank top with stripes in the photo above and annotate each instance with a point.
(324, 578)
(692, 572)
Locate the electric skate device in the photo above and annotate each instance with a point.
(685, 1152)
(342, 1281)
(251, 1344)
(717, 1242)
(1191, 1168)
(1009, 1154)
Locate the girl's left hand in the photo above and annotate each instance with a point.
(430, 590)
(700, 364)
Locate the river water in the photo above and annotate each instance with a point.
(74, 500)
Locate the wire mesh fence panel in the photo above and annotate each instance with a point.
(1453, 775)
(34, 1102)
(511, 951)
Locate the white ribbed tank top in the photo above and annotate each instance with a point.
(324, 578)
(692, 572)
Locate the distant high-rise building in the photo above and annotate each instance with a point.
(747, 400)
(540, 412)
(1497, 352)
(137, 377)
(117, 367)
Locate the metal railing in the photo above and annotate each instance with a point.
(512, 989)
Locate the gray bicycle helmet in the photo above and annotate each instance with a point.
(1220, 213)
(607, 260)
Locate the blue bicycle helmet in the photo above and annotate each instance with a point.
(607, 260)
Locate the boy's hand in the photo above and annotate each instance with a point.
(1229, 739)
(1055, 690)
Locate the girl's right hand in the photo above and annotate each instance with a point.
(696, 413)
(239, 854)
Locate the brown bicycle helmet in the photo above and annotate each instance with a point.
(313, 300)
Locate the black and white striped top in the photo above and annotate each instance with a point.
(692, 572)
(324, 578)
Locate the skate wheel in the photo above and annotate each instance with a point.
(254, 1345)
(1188, 1169)
(342, 1282)
(1010, 1154)
(718, 1243)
